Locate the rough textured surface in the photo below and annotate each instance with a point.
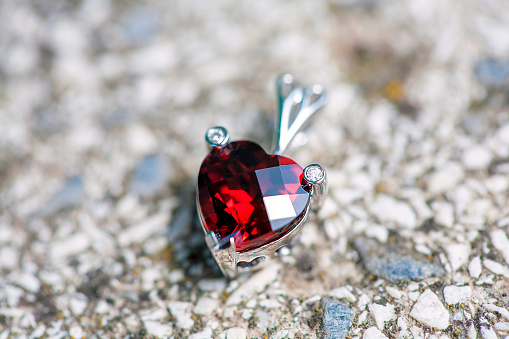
(337, 319)
(103, 110)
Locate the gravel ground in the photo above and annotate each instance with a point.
(103, 109)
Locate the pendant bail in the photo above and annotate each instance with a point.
(298, 102)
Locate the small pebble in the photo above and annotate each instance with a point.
(182, 312)
(477, 157)
(158, 329)
(337, 319)
(457, 294)
(496, 268)
(373, 333)
(458, 254)
(492, 72)
(257, 282)
(501, 243)
(382, 314)
(206, 305)
(475, 267)
(236, 333)
(384, 261)
(429, 310)
(150, 176)
(388, 209)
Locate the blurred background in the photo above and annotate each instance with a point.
(103, 109)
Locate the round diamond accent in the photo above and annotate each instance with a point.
(313, 173)
(217, 136)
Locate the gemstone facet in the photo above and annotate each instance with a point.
(249, 195)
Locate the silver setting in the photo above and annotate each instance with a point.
(316, 176)
(296, 106)
(233, 263)
(297, 103)
(216, 137)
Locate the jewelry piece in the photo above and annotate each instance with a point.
(252, 204)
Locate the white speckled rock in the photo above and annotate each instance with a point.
(182, 312)
(212, 284)
(477, 157)
(27, 281)
(205, 334)
(488, 333)
(269, 303)
(382, 314)
(496, 267)
(475, 267)
(458, 254)
(76, 332)
(236, 333)
(503, 312)
(393, 292)
(373, 333)
(141, 231)
(158, 329)
(429, 310)
(446, 178)
(8, 257)
(78, 304)
(503, 133)
(388, 209)
(70, 246)
(206, 305)
(457, 294)
(501, 243)
(257, 282)
(444, 213)
(342, 293)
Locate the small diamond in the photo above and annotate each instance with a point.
(314, 173)
(216, 135)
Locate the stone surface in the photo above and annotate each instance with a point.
(373, 333)
(457, 294)
(385, 262)
(150, 176)
(236, 333)
(206, 305)
(382, 314)
(337, 319)
(104, 110)
(256, 283)
(429, 310)
(182, 312)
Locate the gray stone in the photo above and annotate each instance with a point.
(493, 72)
(140, 25)
(337, 319)
(394, 265)
(71, 195)
(150, 176)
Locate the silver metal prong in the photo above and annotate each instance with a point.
(293, 99)
(316, 176)
(225, 254)
(211, 239)
(216, 137)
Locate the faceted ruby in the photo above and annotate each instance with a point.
(250, 195)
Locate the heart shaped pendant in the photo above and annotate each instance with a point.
(251, 203)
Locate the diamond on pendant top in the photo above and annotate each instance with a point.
(217, 136)
(314, 173)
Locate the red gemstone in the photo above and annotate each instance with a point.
(250, 195)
